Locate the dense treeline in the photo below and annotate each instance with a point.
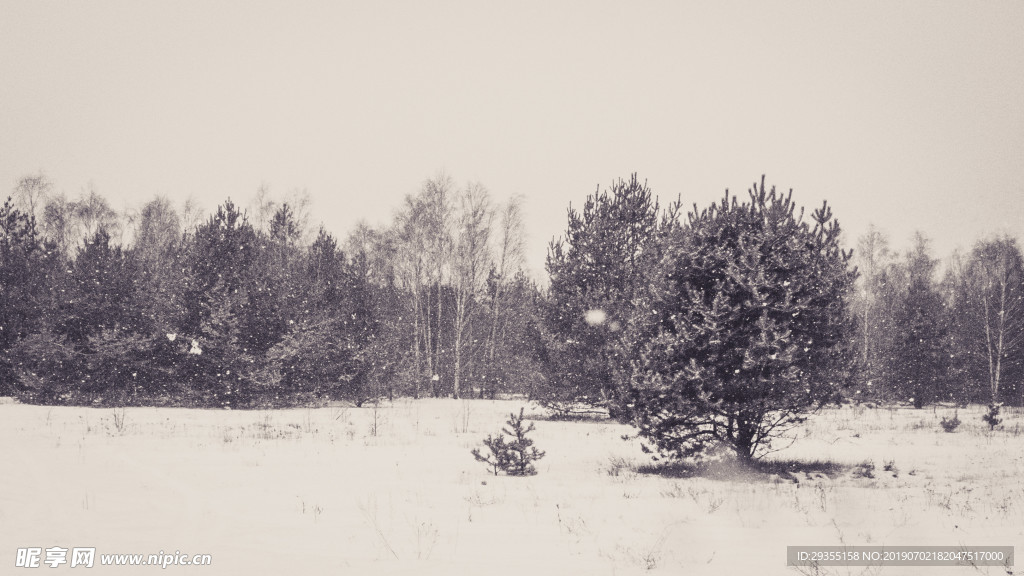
(161, 307)
(956, 336)
(253, 307)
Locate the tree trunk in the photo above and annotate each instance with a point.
(744, 442)
(1002, 332)
(492, 343)
(993, 382)
(437, 360)
(416, 346)
(458, 358)
(427, 343)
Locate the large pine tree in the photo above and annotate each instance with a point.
(753, 329)
(599, 305)
(918, 360)
(217, 353)
(94, 345)
(24, 263)
(321, 354)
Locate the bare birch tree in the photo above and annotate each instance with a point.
(59, 223)
(192, 215)
(470, 264)
(509, 247)
(410, 263)
(93, 213)
(436, 197)
(262, 207)
(996, 279)
(872, 306)
(157, 232)
(32, 192)
(157, 248)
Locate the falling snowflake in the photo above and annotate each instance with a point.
(595, 317)
(172, 337)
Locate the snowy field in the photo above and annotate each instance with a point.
(394, 490)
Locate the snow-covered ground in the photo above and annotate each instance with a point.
(394, 490)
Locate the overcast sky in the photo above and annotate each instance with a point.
(906, 114)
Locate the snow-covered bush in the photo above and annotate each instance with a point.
(865, 469)
(950, 424)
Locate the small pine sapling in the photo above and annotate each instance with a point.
(514, 457)
(499, 458)
(950, 424)
(992, 417)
